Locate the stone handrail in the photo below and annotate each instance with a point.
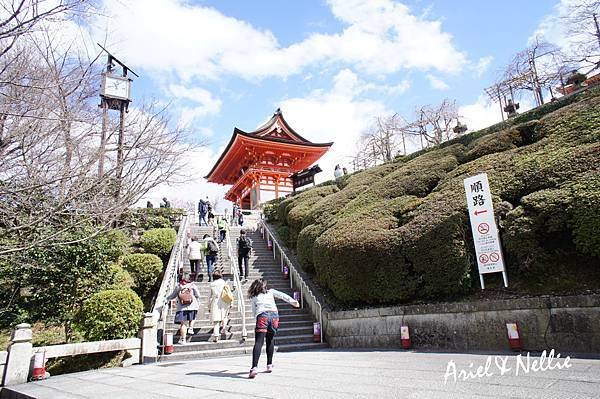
(241, 305)
(285, 261)
(83, 348)
(170, 275)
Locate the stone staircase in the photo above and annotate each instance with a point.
(296, 325)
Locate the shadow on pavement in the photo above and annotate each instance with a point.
(222, 374)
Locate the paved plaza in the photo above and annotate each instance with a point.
(331, 374)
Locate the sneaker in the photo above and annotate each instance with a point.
(181, 342)
(190, 331)
(253, 373)
(269, 368)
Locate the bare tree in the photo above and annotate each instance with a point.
(435, 123)
(21, 17)
(540, 66)
(49, 148)
(584, 32)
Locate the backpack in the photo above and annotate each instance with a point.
(213, 249)
(244, 245)
(185, 296)
(227, 295)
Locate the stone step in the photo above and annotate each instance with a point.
(283, 319)
(236, 343)
(234, 325)
(180, 356)
(204, 333)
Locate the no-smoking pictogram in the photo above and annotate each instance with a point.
(494, 257)
(483, 228)
(483, 258)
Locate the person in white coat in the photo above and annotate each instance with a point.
(188, 303)
(195, 250)
(216, 306)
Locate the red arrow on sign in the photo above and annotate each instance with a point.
(479, 212)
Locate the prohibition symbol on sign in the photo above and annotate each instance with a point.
(494, 257)
(483, 228)
(483, 258)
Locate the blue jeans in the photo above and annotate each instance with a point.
(222, 235)
(202, 217)
(210, 264)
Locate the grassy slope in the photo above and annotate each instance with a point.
(399, 232)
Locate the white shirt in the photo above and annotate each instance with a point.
(194, 250)
(266, 302)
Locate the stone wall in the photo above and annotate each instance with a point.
(565, 323)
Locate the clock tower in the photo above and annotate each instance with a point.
(115, 94)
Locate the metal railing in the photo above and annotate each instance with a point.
(285, 261)
(241, 305)
(169, 281)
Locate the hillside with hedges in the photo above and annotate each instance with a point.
(400, 232)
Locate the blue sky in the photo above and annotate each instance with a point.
(332, 66)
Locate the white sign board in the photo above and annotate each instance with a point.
(483, 226)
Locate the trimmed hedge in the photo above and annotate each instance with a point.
(400, 231)
(145, 269)
(159, 241)
(110, 314)
(118, 278)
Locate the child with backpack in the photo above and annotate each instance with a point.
(244, 245)
(220, 300)
(188, 303)
(211, 250)
(267, 320)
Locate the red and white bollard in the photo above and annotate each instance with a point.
(286, 273)
(168, 347)
(39, 365)
(405, 337)
(317, 331)
(514, 336)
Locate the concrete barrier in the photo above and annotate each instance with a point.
(565, 323)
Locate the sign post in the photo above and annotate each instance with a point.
(483, 226)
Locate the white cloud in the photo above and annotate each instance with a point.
(206, 103)
(480, 114)
(199, 162)
(437, 83)
(192, 40)
(338, 115)
(483, 65)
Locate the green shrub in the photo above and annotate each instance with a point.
(115, 244)
(400, 231)
(118, 278)
(301, 207)
(586, 213)
(157, 222)
(145, 269)
(110, 314)
(159, 241)
(284, 233)
(270, 209)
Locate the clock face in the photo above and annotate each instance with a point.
(116, 87)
